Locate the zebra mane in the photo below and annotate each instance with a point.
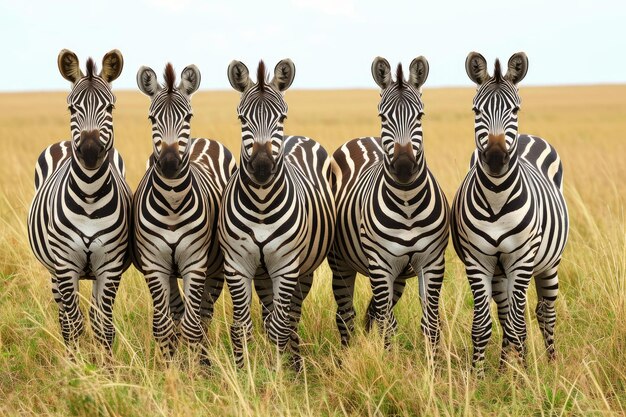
(91, 68)
(497, 72)
(261, 76)
(400, 77)
(170, 77)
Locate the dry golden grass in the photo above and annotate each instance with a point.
(586, 124)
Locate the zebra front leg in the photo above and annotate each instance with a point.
(500, 296)
(480, 284)
(547, 285)
(515, 322)
(381, 303)
(343, 291)
(430, 289)
(70, 317)
(301, 292)
(265, 292)
(278, 322)
(163, 327)
(177, 306)
(103, 295)
(240, 288)
(213, 287)
(191, 326)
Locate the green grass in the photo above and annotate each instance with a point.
(588, 377)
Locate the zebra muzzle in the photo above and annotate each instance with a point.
(495, 155)
(261, 165)
(404, 163)
(90, 151)
(169, 162)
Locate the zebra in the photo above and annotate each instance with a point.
(509, 217)
(79, 219)
(278, 213)
(175, 210)
(392, 216)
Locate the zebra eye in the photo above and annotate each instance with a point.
(110, 108)
(383, 118)
(71, 109)
(515, 110)
(420, 115)
(241, 119)
(188, 117)
(282, 118)
(476, 111)
(152, 119)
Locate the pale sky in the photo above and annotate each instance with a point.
(332, 42)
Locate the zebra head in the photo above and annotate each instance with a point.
(496, 105)
(170, 114)
(262, 112)
(91, 103)
(401, 110)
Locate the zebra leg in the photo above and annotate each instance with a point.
(265, 292)
(278, 322)
(301, 292)
(480, 284)
(103, 295)
(500, 296)
(213, 287)
(191, 327)
(240, 288)
(343, 291)
(382, 289)
(515, 322)
(430, 290)
(547, 285)
(163, 327)
(177, 307)
(70, 317)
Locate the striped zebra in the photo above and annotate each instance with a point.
(509, 218)
(392, 217)
(78, 223)
(175, 211)
(278, 215)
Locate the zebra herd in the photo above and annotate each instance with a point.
(373, 207)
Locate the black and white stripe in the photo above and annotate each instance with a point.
(278, 213)
(175, 212)
(392, 217)
(78, 223)
(510, 220)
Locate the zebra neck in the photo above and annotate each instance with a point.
(496, 192)
(405, 192)
(173, 190)
(90, 185)
(277, 188)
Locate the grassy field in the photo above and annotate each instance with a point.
(586, 124)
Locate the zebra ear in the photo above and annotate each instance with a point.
(518, 67)
(381, 71)
(476, 68)
(68, 66)
(238, 76)
(112, 65)
(189, 80)
(418, 72)
(147, 81)
(284, 74)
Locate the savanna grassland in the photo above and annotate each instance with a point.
(586, 124)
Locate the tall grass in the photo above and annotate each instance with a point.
(587, 126)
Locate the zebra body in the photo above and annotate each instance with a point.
(175, 213)
(277, 220)
(78, 222)
(510, 219)
(389, 226)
